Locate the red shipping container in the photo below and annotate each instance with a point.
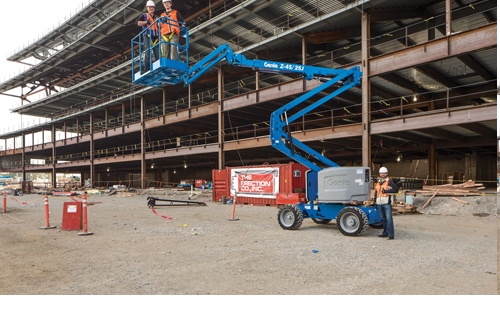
(72, 216)
(260, 184)
(219, 184)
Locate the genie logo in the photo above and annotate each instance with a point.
(338, 183)
(270, 65)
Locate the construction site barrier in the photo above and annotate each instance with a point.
(46, 204)
(84, 217)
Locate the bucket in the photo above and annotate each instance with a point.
(409, 199)
(223, 199)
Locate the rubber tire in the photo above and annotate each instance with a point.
(352, 221)
(379, 225)
(290, 217)
(321, 221)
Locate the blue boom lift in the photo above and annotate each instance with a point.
(332, 192)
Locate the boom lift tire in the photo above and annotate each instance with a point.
(352, 221)
(321, 221)
(290, 217)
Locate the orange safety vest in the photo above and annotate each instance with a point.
(379, 187)
(171, 25)
(150, 19)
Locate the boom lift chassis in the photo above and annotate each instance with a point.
(332, 192)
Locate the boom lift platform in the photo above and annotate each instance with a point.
(332, 192)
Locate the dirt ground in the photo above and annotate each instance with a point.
(448, 249)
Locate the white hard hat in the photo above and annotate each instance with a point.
(150, 4)
(383, 170)
(167, 1)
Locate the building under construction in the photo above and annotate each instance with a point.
(426, 107)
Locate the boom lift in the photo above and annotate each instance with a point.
(332, 192)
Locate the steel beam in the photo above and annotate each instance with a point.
(436, 119)
(451, 46)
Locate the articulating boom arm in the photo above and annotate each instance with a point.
(281, 137)
(266, 66)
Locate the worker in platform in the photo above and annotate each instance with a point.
(150, 36)
(170, 31)
(384, 189)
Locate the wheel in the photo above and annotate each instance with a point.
(352, 221)
(321, 221)
(290, 217)
(379, 225)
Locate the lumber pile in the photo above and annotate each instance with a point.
(463, 189)
(400, 207)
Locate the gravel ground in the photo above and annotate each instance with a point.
(134, 251)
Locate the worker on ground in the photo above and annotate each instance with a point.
(170, 31)
(383, 198)
(149, 36)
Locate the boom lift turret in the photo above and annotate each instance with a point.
(332, 192)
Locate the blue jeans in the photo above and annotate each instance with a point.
(147, 45)
(386, 214)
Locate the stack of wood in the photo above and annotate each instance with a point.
(463, 189)
(400, 207)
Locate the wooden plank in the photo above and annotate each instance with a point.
(464, 202)
(446, 193)
(425, 205)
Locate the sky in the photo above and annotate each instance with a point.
(16, 34)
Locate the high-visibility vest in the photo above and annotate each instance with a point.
(150, 19)
(171, 25)
(379, 187)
